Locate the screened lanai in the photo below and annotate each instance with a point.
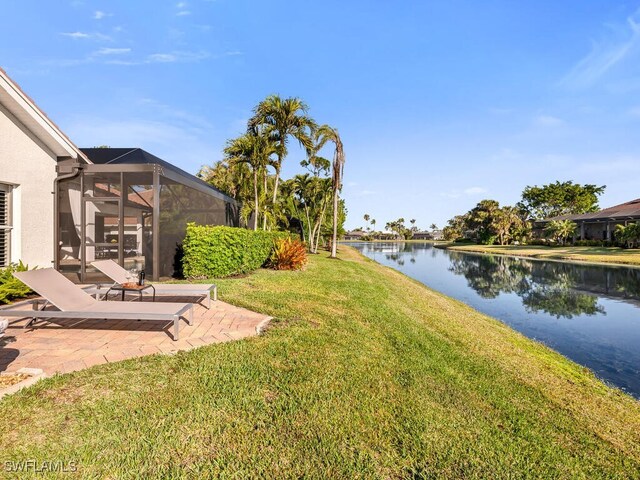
(133, 208)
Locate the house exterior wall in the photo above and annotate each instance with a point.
(30, 167)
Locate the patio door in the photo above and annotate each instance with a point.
(103, 235)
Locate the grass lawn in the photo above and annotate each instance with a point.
(580, 254)
(365, 374)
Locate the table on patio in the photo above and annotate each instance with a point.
(131, 287)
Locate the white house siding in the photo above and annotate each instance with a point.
(29, 165)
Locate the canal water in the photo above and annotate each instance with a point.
(589, 313)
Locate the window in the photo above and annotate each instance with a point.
(5, 225)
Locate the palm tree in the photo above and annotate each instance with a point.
(324, 134)
(255, 149)
(285, 117)
(433, 227)
(566, 229)
(373, 225)
(314, 163)
(628, 234)
(366, 219)
(234, 179)
(561, 229)
(309, 199)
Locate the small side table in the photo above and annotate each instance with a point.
(131, 288)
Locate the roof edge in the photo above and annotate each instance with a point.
(47, 126)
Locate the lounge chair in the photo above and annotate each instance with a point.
(72, 302)
(119, 275)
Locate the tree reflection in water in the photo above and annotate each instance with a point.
(401, 252)
(548, 287)
(563, 290)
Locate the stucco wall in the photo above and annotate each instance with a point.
(26, 163)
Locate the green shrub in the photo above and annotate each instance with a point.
(218, 251)
(10, 287)
(594, 243)
(540, 242)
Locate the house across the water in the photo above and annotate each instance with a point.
(65, 207)
(355, 235)
(600, 225)
(427, 235)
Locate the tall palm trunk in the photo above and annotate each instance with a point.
(309, 228)
(256, 201)
(277, 180)
(334, 240)
(321, 221)
(264, 217)
(338, 165)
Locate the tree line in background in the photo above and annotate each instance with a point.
(251, 172)
(488, 223)
(397, 228)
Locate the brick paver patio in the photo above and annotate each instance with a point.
(68, 345)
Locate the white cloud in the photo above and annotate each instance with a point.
(112, 51)
(99, 15)
(177, 56)
(162, 58)
(85, 35)
(76, 35)
(605, 54)
(474, 191)
(182, 7)
(548, 121)
(117, 61)
(469, 192)
(109, 56)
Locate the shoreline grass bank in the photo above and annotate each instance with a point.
(595, 255)
(364, 373)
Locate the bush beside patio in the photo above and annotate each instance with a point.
(10, 287)
(218, 251)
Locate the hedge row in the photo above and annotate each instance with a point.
(217, 251)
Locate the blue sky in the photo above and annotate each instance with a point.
(439, 103)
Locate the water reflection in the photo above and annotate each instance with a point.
(547, 287)
(563, 290)
(590, 313)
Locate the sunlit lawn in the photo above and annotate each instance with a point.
(364, 374)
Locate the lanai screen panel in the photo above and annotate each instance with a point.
(135, 214)
(181, 204)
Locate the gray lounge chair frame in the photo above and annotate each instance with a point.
(72, 302)
(119, 275)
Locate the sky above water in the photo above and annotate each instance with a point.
(440, 104)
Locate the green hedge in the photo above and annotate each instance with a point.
(217, 251)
